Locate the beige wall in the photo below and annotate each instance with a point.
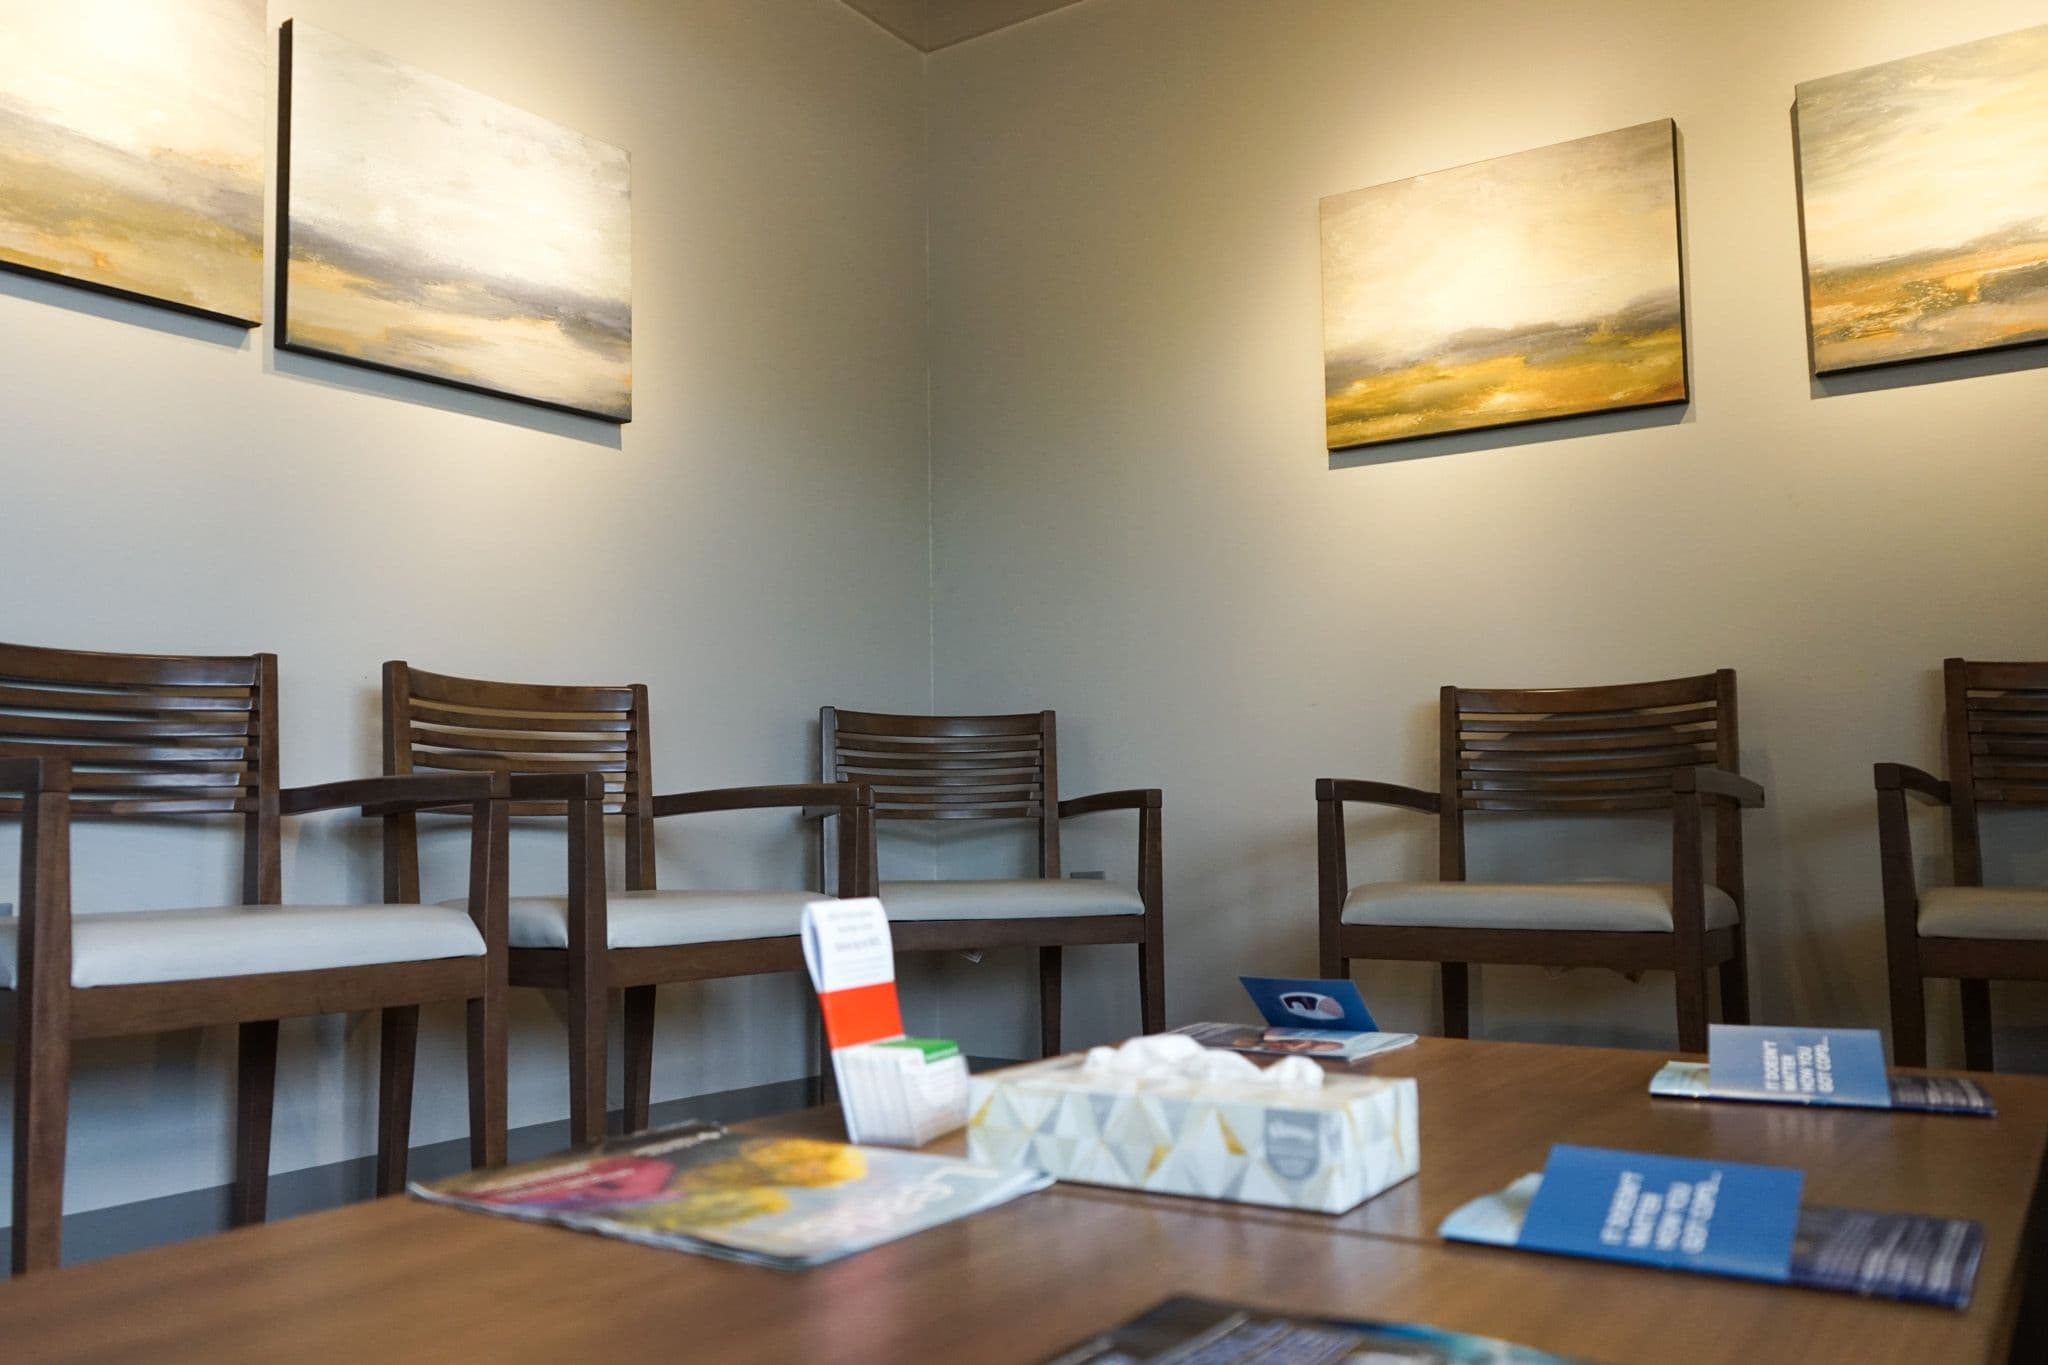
(1135, 521)
(753, 543)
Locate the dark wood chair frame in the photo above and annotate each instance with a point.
(154, 736)
(1583, 750)
(999, 768)
(579, 753)
(1997, 746)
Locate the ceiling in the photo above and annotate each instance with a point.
(932, 24)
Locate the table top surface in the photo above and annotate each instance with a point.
(399, 1279)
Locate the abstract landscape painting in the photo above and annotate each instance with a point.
(430, 230)
(1533, 286)
(1924, 192)
(133, 136)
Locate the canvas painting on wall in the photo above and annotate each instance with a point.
(1540, 285)
(432, 231)
(1924, 197)
(133, 135)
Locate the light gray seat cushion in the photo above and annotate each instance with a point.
(1023, 898)
(1613, 907)
(664, 919)
(247, 940)
(1984, 912)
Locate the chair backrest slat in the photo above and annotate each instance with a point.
(951, 768)
(145, 734)
(435, 721)
(1997, 723)
(1577, 750)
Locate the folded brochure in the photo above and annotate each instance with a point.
(1816, 1066)
(1722, 1218)
(893, 1090)
(776, 1201)
(1185, 1331)
(1304, 1017)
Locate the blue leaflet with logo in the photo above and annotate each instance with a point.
(1842, 1066)
(1303, 1002)
(1718, 1217)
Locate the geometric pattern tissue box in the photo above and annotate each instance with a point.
(1327, 1150)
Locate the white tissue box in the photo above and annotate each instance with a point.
(1327, 1149)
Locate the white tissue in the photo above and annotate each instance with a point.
(1177, 1057)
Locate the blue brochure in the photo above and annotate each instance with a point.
(1841, 1067)
(1720, 1217)
(1305, 1003)
(1723, 1218)
(1799, 1065)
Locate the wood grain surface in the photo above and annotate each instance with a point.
(400, 1280)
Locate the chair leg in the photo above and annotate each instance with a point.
(1735, 982)
(42, 1105)
(487, 1080)
(255, 1097)
(1457, 981)
(398, 1034)
(1692, 1009)
(1049, 1001)
(827, 1088)
(1977, 1025)
(1909, 1008)
(1152, 986)
(639, 1050)
(588, 1008)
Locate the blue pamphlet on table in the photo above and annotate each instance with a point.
(1304, 1017)
(1818, 1066)
(1722, 1218)
(1303, 1002)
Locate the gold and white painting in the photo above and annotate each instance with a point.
(1924, 193)
(1539, 285)
(133, 140)
(430, 230)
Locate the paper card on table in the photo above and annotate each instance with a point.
(1304, 1002)
(853, 966)
(1676, 1213)
(1843, 1066)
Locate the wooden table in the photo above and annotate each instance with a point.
(400, 1280)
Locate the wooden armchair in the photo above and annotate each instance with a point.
(106, 735)
(1562, 751)
(1997, 733)
(1002, 768)
(582, 753)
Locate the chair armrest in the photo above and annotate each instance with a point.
(1132, 798)
(1718, 784)
(1901, 777)
(1378, 794)
(35, 775)
(821, 798)
(394, 793)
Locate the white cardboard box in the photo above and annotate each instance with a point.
(1328, 1149)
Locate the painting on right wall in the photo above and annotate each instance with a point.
(1924, 200)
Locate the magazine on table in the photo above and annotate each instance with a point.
(1723, 1218)
(776, 1201)
(1304, 1017)
(1184, 1331)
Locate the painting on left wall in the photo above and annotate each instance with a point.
(133, 138)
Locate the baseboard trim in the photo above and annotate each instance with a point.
(99, 1233)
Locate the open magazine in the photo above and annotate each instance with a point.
(776, 1201)
(1200, 1332)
